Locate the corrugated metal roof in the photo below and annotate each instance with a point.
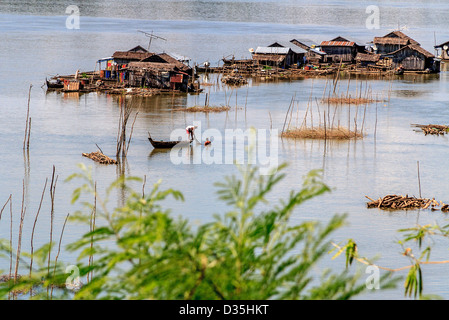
(272, 50)
(338, 43)
(315, 50)
(306, 42)
(294, 47)
(273, 58)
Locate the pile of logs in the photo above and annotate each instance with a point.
(396, 202)
(234, 80)
(6, 278)
(99, 157)
(434, 129)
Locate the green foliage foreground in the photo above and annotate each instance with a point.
(253, 251)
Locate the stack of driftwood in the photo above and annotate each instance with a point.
(399, 202)
(434, 129)
(99, 157)
(234, 80)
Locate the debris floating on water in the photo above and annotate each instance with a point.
(234, 80)
(99, 157)
(434, 129)
(399, 202)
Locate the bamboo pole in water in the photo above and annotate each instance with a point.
(4, 206)
(10, 245)
(92, 229)
(419, 181)
(19, 242)
(286, 115)
(52, 211)
(57, 254)
(32, 233)
(27, 119)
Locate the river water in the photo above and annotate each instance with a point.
(36, 44)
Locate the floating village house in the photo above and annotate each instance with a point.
(414, 58)
(391, 42)
(160, 71)
(341, 49)
(399, 50)
(444, 50)
(279, 54)
(139, 68)
(313, 53)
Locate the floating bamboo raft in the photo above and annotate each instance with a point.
(399, 202)
(434, 129)
(99, 157)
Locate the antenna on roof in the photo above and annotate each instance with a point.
(151, 36)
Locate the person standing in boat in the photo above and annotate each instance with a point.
(191, 132)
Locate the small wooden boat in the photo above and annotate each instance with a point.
(54, 84)
(164, 144)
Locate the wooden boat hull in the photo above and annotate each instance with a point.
(164, 144)
(53, 85)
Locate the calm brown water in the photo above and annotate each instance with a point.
(36, 44)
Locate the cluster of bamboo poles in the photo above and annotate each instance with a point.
(126, 108)
(15, 254)
(208, 108)
(327, 107)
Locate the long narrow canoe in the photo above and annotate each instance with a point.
(163, 144)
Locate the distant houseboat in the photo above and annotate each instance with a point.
(340, 49)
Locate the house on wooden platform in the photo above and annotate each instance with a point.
(313, 54)
(279, 54)
(340, 49)
(139, 68)
(398, 50)
(159, 71)
(152, 75)
(414, 58)
(444, 50)
(391, 42)
(114, 65)
(167, 58)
